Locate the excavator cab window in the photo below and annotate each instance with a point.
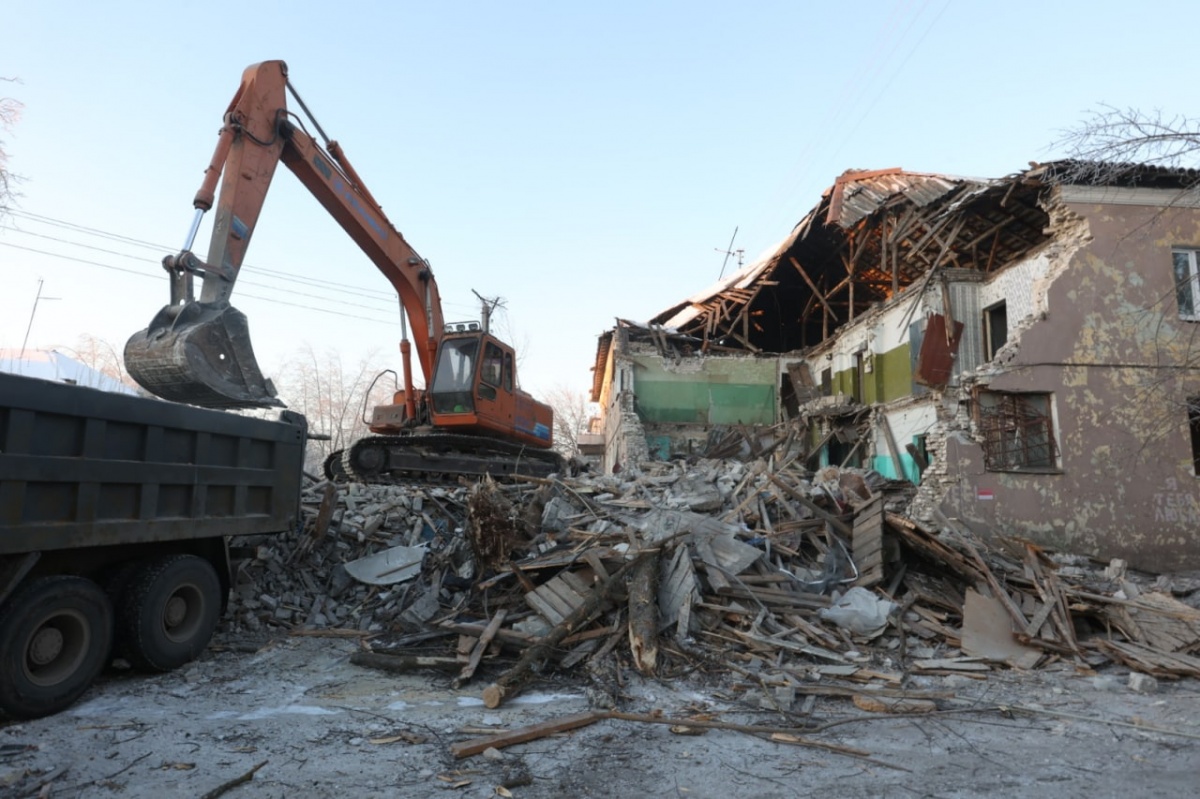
(508, 372)
(455, 373)
(493, 360)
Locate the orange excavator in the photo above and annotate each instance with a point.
(470, 417)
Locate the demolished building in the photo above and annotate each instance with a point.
(1020, 348)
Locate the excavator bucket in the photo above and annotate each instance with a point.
(199, 353)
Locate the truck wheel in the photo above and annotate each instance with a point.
(55, 638)
(169, 612)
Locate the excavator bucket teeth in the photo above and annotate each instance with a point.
(199, 354)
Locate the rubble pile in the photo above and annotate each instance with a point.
(756, 567)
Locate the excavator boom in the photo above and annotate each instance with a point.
(197, 350)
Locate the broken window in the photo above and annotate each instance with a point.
(995, 329)
(1187, 284)
(1018, 432)
(1193, 407)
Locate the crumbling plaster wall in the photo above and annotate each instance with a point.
(1103, 337)
(624, 438)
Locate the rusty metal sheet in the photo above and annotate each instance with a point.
(935, 364)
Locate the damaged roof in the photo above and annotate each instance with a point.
(873, 234)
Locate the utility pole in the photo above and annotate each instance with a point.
(728, 252)
(32, 313)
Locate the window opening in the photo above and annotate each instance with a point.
(1187, 284)
(995, 329)
(1017, 432)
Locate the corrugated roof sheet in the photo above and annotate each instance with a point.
(858, 195)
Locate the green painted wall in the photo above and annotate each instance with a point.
(894, 369)
(729, 391)
(890, 377)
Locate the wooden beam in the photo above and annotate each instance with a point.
(524, 734)
(816, 291)
(897, 461)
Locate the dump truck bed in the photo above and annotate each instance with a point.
(83, 468)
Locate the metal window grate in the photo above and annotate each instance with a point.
(1017, 432)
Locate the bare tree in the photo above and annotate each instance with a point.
(1107, 142)
(10, 112)
(335, 398)
(97, 353)
(572, 413)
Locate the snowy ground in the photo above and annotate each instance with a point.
(327, 728)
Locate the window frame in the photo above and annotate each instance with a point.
(1012, 429)
(1189, 283)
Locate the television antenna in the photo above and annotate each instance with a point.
(730, 251)
(33, 313)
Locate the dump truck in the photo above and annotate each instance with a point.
(116, 513)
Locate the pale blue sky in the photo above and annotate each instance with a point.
(583, 161)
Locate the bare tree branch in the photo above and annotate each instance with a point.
(10, 113)
(572, 415)
(1111, 140)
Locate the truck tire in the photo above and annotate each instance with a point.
(55, 638)
(169, 611)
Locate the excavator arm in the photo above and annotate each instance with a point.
(197, 350)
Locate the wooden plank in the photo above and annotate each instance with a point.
(508, 682)
(521, 735)
(484, 641)
(678, 593)
(558, 588)
(544, 608)
(577, 583)
(596, 563)
(867, 543)
(404, 663)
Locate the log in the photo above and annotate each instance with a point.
(504, 685)
(643, 615)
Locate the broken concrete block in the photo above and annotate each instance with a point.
(1142, 683)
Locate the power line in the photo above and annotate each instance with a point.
(242, 281)
(386, 299)
(59, 223)
(155, 277)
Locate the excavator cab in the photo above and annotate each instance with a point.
(474, 389)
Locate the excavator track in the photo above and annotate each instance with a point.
(437, 457)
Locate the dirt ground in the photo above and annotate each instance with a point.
(323, 727)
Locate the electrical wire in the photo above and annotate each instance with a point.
(159, 248)
(385, 301)
(241, 281)
(389, 322)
